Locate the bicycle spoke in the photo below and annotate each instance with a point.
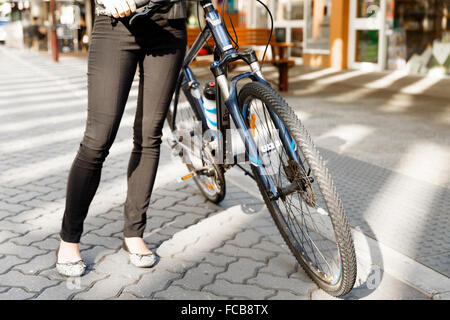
(310, 230)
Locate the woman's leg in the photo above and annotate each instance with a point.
(111, 68)
(159, 73)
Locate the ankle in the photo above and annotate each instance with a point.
(68, 252)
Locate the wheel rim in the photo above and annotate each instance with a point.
(309, 225)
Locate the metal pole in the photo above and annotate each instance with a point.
(54, 37)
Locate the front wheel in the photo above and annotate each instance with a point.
(311, 219)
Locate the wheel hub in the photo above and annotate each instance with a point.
(296, 174)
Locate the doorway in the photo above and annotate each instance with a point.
(367, 35)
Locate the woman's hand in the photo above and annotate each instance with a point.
(119, 8)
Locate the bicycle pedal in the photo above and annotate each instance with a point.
(186, 177)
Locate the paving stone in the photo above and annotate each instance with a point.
(20, 228)
(178, 293)
(13, 207)
(48, 244)
(282, 265)
(9, 191)
(218, 260)
(156, 222)
(206, 244)
(35, 188)
(246, 239)
(239, 291)
(202, 211)
(95, 254)
(5, 235)
(20, 251)
(21, 198)
(155, 239)
(47, 180)
(31, 237)
(106, 288)
(185, 220)
(163, 203)
(8, 261)
(194, 200)
(108, 242)
(63, 291)
(285, 295)
(161, 192)
(241, 270)
(119, 264)
(275, 237)
(85, 281)
(176, 265)
(109, 228)
(26, 215)
(170, 248)
(152, 282)
(253, 253)
(16, 294)
(50, 222)
(269, 246)
(295, 286)
(127, 296)
(112, 215)
(198, 277)
(98, 221)
(31, 282)
(37, 263)
(166, 213)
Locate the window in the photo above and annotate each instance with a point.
(317, 33)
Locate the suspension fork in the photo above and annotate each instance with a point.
(231, 102)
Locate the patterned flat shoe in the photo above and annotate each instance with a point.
(71, 269)
(141, 260)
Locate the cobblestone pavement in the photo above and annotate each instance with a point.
(226, 251)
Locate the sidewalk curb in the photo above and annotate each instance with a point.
(372, 252)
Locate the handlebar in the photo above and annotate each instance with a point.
(153, 6)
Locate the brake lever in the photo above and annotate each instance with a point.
(149, 11)
(161, 6)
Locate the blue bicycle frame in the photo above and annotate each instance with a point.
(227, 96)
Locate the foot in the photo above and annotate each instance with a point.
(140, 255)
(137, 246)
(68, 252)
(68, 260)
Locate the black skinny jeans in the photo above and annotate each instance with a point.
(157, 46)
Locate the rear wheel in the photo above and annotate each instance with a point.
(209, 176)
(311, 219)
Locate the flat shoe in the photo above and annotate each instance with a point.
(70, 269)
(141, 260)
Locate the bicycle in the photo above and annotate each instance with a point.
(288, 169)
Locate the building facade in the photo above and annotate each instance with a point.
(411, 35)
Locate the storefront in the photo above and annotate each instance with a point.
(412, 35)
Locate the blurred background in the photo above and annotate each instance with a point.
(412, 35)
